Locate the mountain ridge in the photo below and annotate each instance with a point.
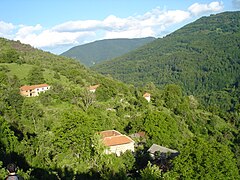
(101, 50)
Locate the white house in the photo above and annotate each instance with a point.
(34, 90)
(147, 96)
(116, 142)
(93, 88)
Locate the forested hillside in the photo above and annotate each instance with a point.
(200, 57)
(102, 50)
(203, 58)
(55, 135)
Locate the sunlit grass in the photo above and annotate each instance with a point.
(22, 71)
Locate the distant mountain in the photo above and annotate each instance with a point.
(200, 57)
(98, 51)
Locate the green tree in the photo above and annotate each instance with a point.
(32, 113)
(72, 140)
(151, 172)
(172, 96)
(35, 76)
(88, 98)
(9, 56)
(128, 160)
(201, 159)
(163, 129)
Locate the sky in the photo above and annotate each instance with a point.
(58, 25)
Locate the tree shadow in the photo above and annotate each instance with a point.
(68, 174)
(42, 174)
(61, 174)
(18, 159)
(17, 132)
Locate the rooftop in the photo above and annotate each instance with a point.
(109, 133)
(26, 88)
(138, 135)
(94, 87)
(154, 148)
(117, 140)
(113, 138)
(147, 95)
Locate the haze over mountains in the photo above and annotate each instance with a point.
(102, 50)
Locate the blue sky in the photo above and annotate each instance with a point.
(57, 25)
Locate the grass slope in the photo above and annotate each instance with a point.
(22, 71)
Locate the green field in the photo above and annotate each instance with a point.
(22, 71)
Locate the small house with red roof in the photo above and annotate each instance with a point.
(138, 135)
(93, 88)
(33, 90)
(116, 142)
(147, 96)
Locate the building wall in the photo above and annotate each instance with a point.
(148, 98)
(92, 90)
(24, 93)
(42, 89)
(28, 93)
(118, 149)
(34, 92)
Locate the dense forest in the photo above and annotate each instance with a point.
(55, 135)
(102, 50)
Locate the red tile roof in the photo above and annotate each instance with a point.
(146, 95)
(109, 133)
(113, 138)
(26, 88)
(94, 87)
(117, 140)
(141, 134)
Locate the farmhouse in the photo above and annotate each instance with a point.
(34, 90)
(138, 135)
(116, 142)
(93, 88)
(147, 96)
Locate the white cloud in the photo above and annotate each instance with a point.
(24, 31)
(198, 9)
(130, 33)
(6, 29)
(50, 38)
(75, 26)
(152, 23)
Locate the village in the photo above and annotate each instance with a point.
(114, 141)
(120, 90)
